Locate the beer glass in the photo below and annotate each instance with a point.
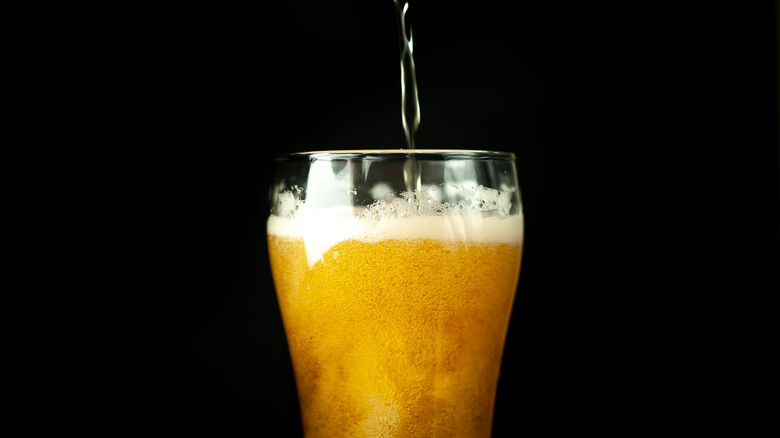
(395, 272)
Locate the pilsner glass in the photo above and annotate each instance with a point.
(395, 272)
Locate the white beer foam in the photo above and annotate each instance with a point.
(324, 228)
(481, 215)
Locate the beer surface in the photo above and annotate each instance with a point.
(396, 336)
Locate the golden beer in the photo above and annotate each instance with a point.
(397, 330)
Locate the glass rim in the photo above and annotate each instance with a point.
(441, 154)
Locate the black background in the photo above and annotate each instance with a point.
(646, 143)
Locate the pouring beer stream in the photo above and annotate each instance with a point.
(410, 102)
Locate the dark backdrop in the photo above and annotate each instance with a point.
(646, 143)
